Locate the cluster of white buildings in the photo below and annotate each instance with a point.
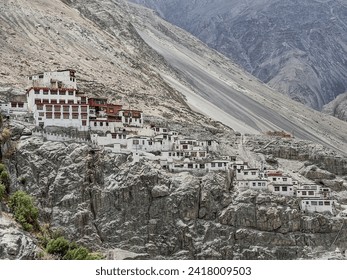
(313, 198)
(54, 100)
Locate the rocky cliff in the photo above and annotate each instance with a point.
(296, 47)
(107, 202)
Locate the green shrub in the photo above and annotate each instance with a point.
(21, 204)
(79, 253)
(59, 246)
(2, 191)
(2, 167)
(82, 253)
(5, 178)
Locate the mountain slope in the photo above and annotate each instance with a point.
(100, 41)
(297, 47)
(337, 107)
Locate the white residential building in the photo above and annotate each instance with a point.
(313, 191)
(56, 79)
(317, 205)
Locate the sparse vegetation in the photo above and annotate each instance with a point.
(67, 250)
(5, 134)
(2, 191)
(25, 212)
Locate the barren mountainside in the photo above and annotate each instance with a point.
(297, 47)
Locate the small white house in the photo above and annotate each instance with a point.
(281, 189)
(248, 174)
(56, 79)
(317, 205)
(238, 166)
(312, 191)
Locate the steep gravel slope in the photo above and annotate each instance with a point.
(297, 47)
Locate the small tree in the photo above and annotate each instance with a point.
(21, 204)
(2, 191)
(5, 178)
(58, 246)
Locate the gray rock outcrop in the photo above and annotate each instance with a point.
(106, 202)
(15, 244)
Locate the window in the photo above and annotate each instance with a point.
(220, 164)
(284, 179)
(45, 92)
(84, 122)
(304, 192)
(41, 114)
(150, 143)
(101, 124)
(106, 123)
(254, 184)
(277, 189)
(263, 184)
(202, 165)
(310, 192)
(48, 107)
(169, 154)
(37, 92)
(284, 189)
(39, 107)
(95, 124)
(213, 164)
(69, 92)
(245, 173)
(254, 173)
(48, 115)
(326, 202)
(57, 115)
(75, 116)
(259, 184)
(185, 147)
(274, 179)
(135, 142)
(62, 92)
(320, 203)
(66, 115)
(202, 154)
(54, 92)
(190, 165)
(314, 203)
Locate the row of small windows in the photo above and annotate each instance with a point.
(255, 184)
(319, 203)
(284, 179)
(58, 108)
(54, 92)
(284, 189)
(253, 173)
(306, 192)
